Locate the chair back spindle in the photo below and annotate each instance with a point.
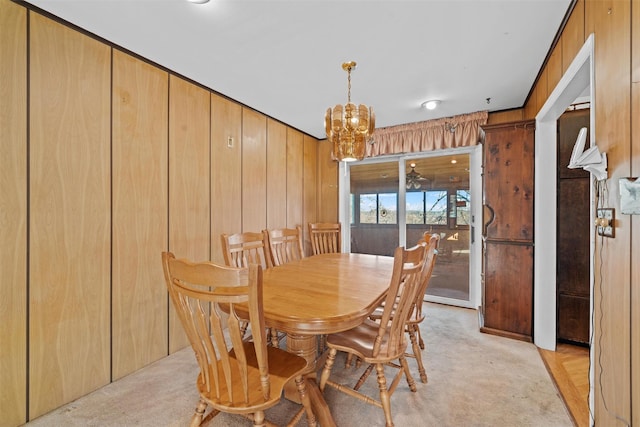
(325, 237)
(285, 245)
(242, 249)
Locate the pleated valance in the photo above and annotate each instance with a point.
(449, 132)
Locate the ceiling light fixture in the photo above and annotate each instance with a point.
(349, 127)
(431, 104)
(414, 179)
(198, 1)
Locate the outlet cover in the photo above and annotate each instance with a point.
(606, 228)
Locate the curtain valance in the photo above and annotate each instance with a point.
(449, 132)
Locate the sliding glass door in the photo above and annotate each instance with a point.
(393, 201)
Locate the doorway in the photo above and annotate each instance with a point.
(391, 201)
(577, 82)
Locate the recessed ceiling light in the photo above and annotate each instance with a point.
(198, 1)
(454, 161)
(431, 104)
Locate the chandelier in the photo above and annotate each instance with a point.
(349, 127)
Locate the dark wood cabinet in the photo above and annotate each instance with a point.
(573, 225)
(508, 184)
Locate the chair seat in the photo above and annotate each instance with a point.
(360, 341)
(283, 366)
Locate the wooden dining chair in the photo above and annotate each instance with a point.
(235, 376)
(379, 343)
(325, 237)
(285, 244)
(430, 241)
(240, 250)
(417, 315)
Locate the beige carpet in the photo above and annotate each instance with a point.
(475, 379)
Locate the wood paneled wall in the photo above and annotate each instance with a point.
(140, 212)
(189, 181)
(327, 190)
(13, 213)
(295, 167)
(69, 215)
(276, 174)
(112, 160)
(226, 171)
(635, 220)
(254, 171)
(616, 340)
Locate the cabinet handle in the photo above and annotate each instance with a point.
(488, 223)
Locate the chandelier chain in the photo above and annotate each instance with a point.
(349, 85)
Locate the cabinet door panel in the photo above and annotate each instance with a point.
(508, 180)
(573, 236)
(508, 288)
(573, 318)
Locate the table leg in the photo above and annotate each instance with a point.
(303, 346)
(306, 346)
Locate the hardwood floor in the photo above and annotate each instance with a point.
(569, 368)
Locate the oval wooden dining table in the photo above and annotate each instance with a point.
(323, 294)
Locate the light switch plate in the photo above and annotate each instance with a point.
(606, 228)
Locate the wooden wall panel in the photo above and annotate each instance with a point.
(635, 42)
(310, 177)
(610, 21)
(554, 68)
(295, 154)
(573, 35)
(531, 107)
(140, 210)
(327, 184)
(226, 171)
(69, 241)
(505, 116)
(542, 92)
(276, 174)
(635, 220)
(13, 213)
(254, 170)
(635, 245)
(189, 183)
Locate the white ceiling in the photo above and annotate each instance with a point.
(283, 58)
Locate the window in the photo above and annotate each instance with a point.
(415, 207)
(463, 216)
(368, 208)
(435, 210)
(432, 207)
(379, 208)
(388, 211)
